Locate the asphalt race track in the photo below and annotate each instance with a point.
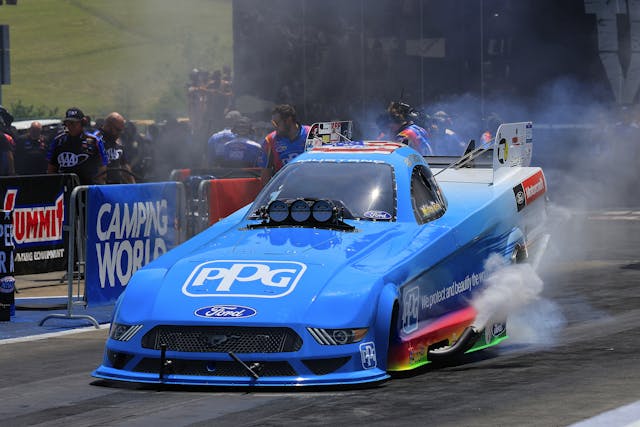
(574, 355)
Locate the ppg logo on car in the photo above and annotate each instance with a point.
(257, 279)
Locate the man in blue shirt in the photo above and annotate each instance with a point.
(215, 145)
(78, 151)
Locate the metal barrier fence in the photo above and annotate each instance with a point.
(215, 193)
(219, 198)
(75, 269)
(101, 216)
(101, 256)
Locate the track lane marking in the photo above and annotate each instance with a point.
(53, 334)
(623, 416)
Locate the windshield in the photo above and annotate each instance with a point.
(364, 189)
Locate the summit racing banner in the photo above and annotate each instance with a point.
(39, 210)
(128, 226)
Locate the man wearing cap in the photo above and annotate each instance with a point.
(78, 151)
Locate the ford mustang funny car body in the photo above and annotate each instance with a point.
(354, 261)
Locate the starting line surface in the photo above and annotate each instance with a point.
(30, 311)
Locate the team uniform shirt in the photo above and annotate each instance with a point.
(215, 146)
(243, 152)
(281, 150)
(31, 156)
(415, 137)
(82, 155)
(116, 159)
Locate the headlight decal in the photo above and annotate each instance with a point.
(121, 332)
(337, 336)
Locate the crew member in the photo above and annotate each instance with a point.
(444, 140)
(242, 151)
(118, 168)
(31, 152)
(397, 123)
(7, 144)
(78, 151)
(215, 145)
(288, 139)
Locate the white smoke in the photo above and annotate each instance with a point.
(537, 323)
(514, 293)
(509, 287)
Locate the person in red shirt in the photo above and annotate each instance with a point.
(288, 139)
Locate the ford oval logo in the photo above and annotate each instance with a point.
(225, 312)
(377, 215)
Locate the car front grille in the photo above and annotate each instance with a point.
(222, 339)
(216, 368)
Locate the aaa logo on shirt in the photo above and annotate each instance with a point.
(67, 159)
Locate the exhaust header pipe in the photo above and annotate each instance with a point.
(464, 343)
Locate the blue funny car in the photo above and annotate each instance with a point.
(356, 260)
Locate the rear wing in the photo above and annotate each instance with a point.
(511, 147)
(326, 133)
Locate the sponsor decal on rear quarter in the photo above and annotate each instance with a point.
(534, 187)
(529, 190)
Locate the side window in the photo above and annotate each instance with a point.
(426, 198)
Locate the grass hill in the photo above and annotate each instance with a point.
(131, 56)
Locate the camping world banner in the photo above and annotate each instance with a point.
(128, 226)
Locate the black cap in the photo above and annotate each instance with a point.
(73, 114)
